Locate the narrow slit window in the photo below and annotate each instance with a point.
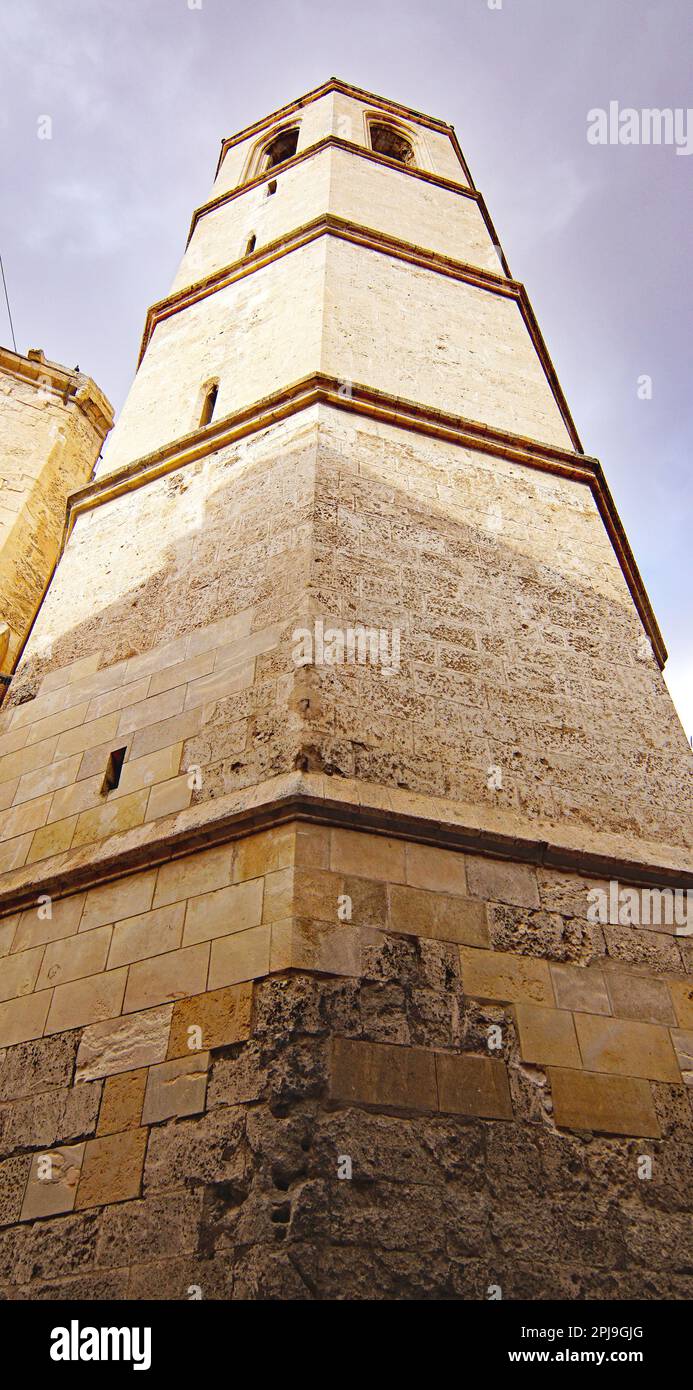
(271, 187)
(252, 243)
(113, 770)
(209, 403)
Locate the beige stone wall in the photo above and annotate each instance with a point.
(173, 1085)
(520, 645)
(385, 199)
(49, 443)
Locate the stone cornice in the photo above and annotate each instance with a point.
(335, 84)
(381, 242)
(391, 410)
(72, 387)
(337, 142)
(343, 803)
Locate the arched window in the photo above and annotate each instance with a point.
(281, 147)
(252, 242)
(387, 140)
(209, 400)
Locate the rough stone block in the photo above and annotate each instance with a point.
(383, 1076)
(505, 977)
(629, 1049)
(176, 1088)
(470, 1085)
(14, 1173)
(124, 1044)
(547, 1036)
(606, 1104)
(38, 1065)
(112, 1169)
(223, 1016)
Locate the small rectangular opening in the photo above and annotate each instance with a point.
(113, 770)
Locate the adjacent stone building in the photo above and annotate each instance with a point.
(52, 425)
(335, 778)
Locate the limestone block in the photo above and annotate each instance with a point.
(24, 1018)
(503, 976)
(440, 870)
(14, 1173)
(53, 1179)
(627, 1048)
(223, 1016)
(149, 934)
(224, 911)
(682, 995)
(167, 731)
(151, 711)
(86, 1001)
(124, 1044)
(607, 1104)
(383, 1076)
(122, 1101)
(176, 1088)
(637, 997)
(580, 988)
(87, 736)
(683, 1046)
(111, 819)
(18, 974)
(440, 916)
(125, 897)
(38, 1065)
(52, 839)
(164, 978)
(112, 1168)
(547, 1036)
(75, 957)
(370, 856)
(168, 798)
(470, 1085)
(264, 853)
(496, 880)
(243, 956)
(49, 921)
(192, 875)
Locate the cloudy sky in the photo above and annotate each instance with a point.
(140, 93)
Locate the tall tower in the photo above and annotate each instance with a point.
(336, 775)
(52, 425)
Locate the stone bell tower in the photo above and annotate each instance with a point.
(336, 778)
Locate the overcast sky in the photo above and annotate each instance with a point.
(140, 92)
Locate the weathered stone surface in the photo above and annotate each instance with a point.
(496, 881)
(122, 1101)
(223, 1016)
(123, 1044)
(111, 1168)
(499, 975)
(52, 1184)
(176, 1088)
(547, 1036)
(608, 1104)
(630, 1049)
(387, 1077)
(473, 1086)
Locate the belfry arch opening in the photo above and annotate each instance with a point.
(388, 140)
(281, 147)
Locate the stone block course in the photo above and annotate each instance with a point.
(547, 1036)
(505, 977)
(627, 1048)
(606, 1104)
